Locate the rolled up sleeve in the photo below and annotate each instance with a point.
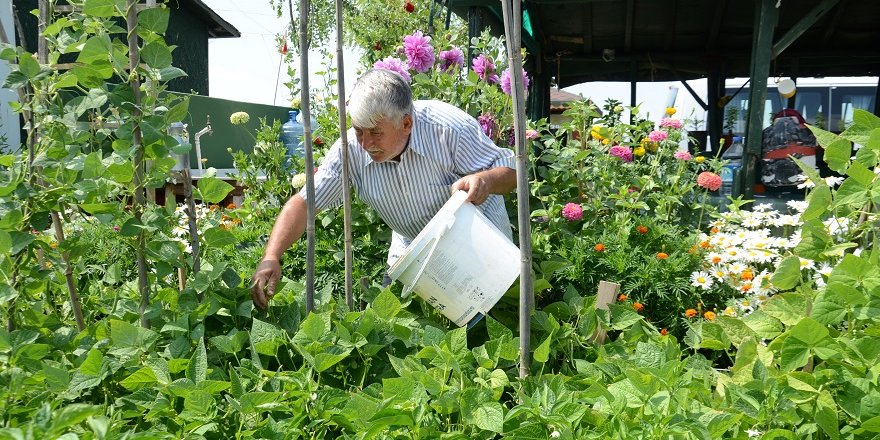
(475, 152)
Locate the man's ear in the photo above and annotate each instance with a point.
(407, 122)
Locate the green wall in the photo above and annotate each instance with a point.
(226, 135)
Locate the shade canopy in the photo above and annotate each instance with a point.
(665, 40)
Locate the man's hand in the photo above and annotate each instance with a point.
(263, 282)
(476, 186)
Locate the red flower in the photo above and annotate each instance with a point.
(642, 229)
(378, 46)
(621, 297)
(599, 247)
(664, 332)
(408, 6)
(318, 141)
(638, 306)
(283, 48)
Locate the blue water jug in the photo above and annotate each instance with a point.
(292, 135)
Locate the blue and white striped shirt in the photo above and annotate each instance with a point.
(445, 144)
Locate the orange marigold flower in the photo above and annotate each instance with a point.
(714, 230)
(213, 207)
(53, 245)
(690, 313)
(716, 259)
(705, 244)
(693, 250)
(709, 315)
(747, 275)
(231, 206)
(642, 229)
(621, 297)
(599, 247)
(664, 332)
(638, 306)
(662, 255)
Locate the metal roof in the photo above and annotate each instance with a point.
(666, 40)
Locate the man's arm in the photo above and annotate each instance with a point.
(482, 184)
(289, 227)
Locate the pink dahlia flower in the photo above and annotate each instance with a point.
(419, 52)
(624, 153)
(451, 59)
(484, 68)
(394, 65)
(572, 212)
(683, 155)
(671, 123)
(657, 136)
(709, 180)
(507, 85)
(531, 134)
(488, 124)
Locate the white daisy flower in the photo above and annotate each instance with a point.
(833, 181)
(807, 263)
(797, 205)
(701, 279)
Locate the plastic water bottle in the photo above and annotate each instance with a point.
(733, 156)
(292, 135)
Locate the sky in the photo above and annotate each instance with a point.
(247, 68)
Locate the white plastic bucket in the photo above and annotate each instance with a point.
(460, 263)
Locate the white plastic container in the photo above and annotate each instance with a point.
(460, 263)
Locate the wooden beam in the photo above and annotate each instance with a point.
(766, 16)
(628, 35)
(715, 26)
(606, 296)
(588, 28)
(832, 24)
(669, 39)
(801, 26)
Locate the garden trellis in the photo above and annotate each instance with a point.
(512, 19)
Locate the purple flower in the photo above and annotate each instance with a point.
(488, 124)
(451, 59)
(394, 65)
(506, 85)
(658, 136)
(116, 228)
(572, 212)
(484, 68)
(624, 153)
(683, 155)
(419, 52)
(670, 123)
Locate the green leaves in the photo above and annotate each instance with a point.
(213, 190)
(156, 54)
(154, 20)
(104, 8)
(197, 369)
(788, 273)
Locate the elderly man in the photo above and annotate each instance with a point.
(406, 158)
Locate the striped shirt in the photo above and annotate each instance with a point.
(445, 144)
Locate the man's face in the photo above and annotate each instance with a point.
(386, 140)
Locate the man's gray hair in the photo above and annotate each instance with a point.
(379, 94)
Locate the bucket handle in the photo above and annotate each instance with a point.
(446, 226)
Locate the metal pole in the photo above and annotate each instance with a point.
(765, 22)
(307, 142)
(343, 139)
(512, 18)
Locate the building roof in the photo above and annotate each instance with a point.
(670, 40)
(559, 99)
(217, 26)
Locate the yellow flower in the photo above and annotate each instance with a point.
(639, 151)
(606, 141)
(670, 111)
(595, 132)
(700, 159)
(652, 147)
